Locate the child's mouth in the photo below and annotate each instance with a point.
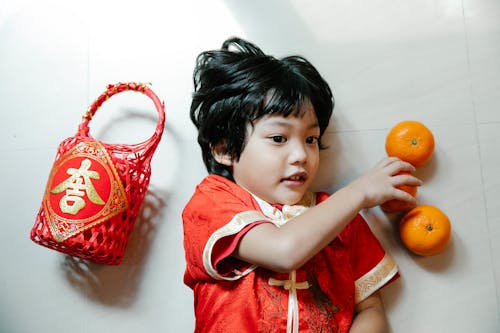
(296, 179)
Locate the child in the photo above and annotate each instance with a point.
(263, 253)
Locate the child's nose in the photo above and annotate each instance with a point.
(298, 154)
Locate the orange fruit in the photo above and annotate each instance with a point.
(425, 230)
(411, 141)
(395, 205)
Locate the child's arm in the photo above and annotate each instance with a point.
(370, 316)
(287, 248)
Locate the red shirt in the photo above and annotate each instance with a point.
(233, 296)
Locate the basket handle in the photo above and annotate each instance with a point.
(112, 89)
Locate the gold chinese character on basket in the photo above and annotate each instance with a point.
(76, 186)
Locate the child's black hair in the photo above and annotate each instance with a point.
(234, 88)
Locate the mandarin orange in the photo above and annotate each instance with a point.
(425, 230)
(411, 141)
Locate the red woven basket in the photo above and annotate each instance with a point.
(95, 189)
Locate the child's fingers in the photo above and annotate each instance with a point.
(393, 165)
(406, 179)
(402, 195)
(387, 161)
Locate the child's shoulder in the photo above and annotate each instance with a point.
(214, 189)
(215, 183)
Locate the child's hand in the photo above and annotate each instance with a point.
(379, 184)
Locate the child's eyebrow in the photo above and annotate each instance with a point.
(283, 123)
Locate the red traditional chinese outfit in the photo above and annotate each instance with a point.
(233, 296)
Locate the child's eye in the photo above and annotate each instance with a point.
(278, 139)
(312, 140)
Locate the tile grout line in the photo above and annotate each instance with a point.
(476, 133)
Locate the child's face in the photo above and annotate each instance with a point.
(280, 158)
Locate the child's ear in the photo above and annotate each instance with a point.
(221, 156)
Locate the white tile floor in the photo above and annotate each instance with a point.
(386, 60)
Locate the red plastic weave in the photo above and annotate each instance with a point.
(105, 242)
